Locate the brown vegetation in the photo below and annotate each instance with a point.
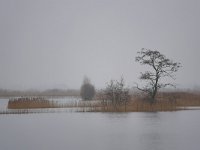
(166, 101)
(26, 103)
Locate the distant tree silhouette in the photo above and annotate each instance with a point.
(87, 89)
(162, 67)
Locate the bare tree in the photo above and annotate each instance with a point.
(117, 93)
(161, 67)
(87, 89)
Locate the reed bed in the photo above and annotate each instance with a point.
(166, 101)
(30, 102)
(25, 105)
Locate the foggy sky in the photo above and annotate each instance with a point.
(55, 43)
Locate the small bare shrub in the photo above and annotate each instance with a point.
(116, 94)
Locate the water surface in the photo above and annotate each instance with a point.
(101, 131)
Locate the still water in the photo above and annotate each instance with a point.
(101, 131)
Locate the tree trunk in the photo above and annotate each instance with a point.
(153, 100)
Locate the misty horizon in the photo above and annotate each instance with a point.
(53, 44)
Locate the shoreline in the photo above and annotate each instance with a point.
(83, 109)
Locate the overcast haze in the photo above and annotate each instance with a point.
(55, 43)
